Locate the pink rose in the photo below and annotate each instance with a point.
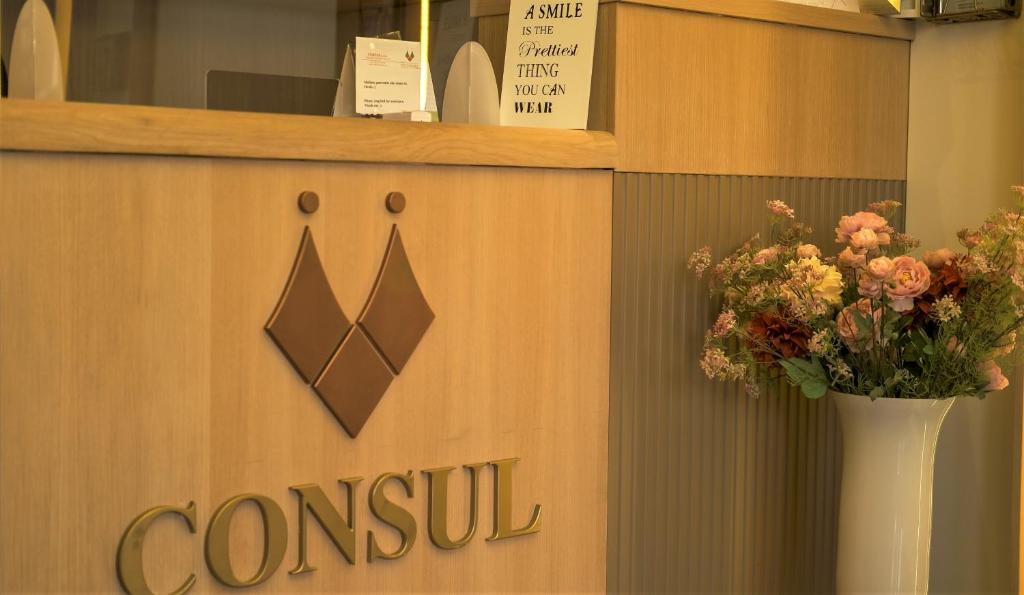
(910, 278)
(847, 227)
(992, 373)
(869, 286)
(881, 267)
(884, 239)
(767, 255)
(864, 240)
(808, 251)
(851, 260)
(851, 224)
(849, 331)
(936, 258)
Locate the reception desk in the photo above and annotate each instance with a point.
(152, 259)
(171, 375)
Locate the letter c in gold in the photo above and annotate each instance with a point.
(129, 552)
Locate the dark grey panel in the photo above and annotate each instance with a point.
(711, 491)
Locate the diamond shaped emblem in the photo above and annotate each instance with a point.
(397, 315)
(354, 381)
(308, 323)
(350, 367)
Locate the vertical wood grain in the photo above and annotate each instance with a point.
(135, 371)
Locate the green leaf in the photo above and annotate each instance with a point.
(808, 375)
(813, 389)
(865, 325)
(795, 374)
(877, 393)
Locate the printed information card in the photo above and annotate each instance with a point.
(549, 59)
(388, 77)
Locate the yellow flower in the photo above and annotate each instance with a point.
(830, 288)
(824, 282)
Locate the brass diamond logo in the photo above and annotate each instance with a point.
(350, 366)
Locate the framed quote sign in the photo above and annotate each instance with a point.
(549, 58)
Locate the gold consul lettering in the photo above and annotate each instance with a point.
(341, 530)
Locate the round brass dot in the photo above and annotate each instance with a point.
(309, 202)
(395, 202)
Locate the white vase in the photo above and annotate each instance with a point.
(885, 506)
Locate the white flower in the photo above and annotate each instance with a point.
(946, 310)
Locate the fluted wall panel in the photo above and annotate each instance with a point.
(710, 490)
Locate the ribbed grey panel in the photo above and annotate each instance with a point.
(711, 491)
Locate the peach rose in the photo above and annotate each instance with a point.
(849, 331)
(910, 278)
(936, 258)
(881, 267)
(808, 251)
(864, 240)
(851, 260)
(874, 277)
(992, 373)
(851, 224)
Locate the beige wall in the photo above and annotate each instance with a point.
(966, 147)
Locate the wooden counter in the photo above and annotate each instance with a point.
(99, 128)
(142, 251)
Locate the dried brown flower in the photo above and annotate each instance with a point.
(784, 337)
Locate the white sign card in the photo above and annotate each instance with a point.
(388, 77)
(549, 58)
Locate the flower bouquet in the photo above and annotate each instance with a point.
(874, 320)
(893, 338)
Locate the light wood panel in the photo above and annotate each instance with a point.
(794, 14)
(96, 128)
(134, 369)
(759, 10)
(712, 491)
(737, 96)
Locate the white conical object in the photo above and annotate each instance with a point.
(345, 98)
(471, 93)
(885, 504)
(35, 71)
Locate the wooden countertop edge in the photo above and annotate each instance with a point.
(760, 10)
(125, 129)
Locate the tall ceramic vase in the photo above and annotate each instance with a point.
(885, 507)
